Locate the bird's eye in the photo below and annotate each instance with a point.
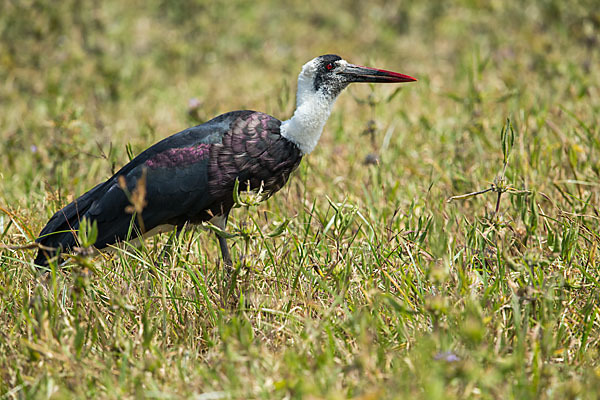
(329, 67)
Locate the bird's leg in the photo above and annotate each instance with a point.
(227, 289)
(221, 222)
(225, 252)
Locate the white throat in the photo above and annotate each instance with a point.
(312, 111)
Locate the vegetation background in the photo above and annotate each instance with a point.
(378, 287)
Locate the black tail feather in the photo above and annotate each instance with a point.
(60, 231)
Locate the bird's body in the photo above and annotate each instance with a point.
(190, 176)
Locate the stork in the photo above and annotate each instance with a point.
(190, 177)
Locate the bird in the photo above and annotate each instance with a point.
(191, 176)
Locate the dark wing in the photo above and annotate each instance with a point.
(256, 154)
(176, 171)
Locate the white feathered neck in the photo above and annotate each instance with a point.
(312, 111)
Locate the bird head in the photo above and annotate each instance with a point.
(329, 74)
(321, 80)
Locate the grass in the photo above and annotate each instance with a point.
(360, 279)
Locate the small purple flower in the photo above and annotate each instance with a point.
(33, 148)
(194, 103)
(447, 356)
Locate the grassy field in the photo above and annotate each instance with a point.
(383, 284)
